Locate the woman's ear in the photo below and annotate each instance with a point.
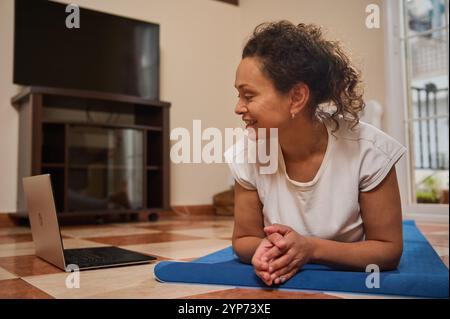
(299, 98)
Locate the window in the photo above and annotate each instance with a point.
(425, 39)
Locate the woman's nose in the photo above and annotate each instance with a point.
(240, 108)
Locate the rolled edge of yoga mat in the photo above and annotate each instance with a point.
(206, 273)
(352, 282)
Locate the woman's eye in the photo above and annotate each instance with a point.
(247, 97)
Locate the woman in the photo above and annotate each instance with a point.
(334, 198)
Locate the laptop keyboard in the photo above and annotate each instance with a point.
(103, 256)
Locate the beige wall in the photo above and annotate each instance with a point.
(8, 115)
(201, 42)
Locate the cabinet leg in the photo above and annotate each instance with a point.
(123, 218)
(22, 221)
(153, 217)
(99, 220)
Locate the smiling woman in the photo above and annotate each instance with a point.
(334, 198)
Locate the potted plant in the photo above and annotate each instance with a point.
(430, 190)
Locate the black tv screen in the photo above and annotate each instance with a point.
(106, 53)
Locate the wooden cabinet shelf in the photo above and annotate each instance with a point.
(105, 153)
(110, 125)
(53, 165)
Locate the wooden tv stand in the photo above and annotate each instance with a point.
(110, 148)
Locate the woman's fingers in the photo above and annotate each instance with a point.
(280, 245)
(277, 275)
(260, 251)
(280, 263)
(264, 276)
(262, 248)
(259, 264)
(282, 275)
(260, 269)
(285, 277)
(278, 240)
(272, 253)
(277, 228)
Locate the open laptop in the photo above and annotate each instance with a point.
(47, 236)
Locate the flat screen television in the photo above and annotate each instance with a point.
(106, 53)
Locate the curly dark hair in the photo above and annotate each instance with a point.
(291, 54)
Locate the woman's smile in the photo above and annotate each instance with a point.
(249, 123)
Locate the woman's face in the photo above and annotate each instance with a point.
(259, 104)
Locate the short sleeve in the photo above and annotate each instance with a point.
(378, 155)
(243, 172)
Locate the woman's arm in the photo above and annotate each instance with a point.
(248, 223)
(383, 246)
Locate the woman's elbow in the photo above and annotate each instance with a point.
(244, 258)
(393, 259)
(241, 250)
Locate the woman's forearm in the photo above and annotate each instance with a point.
(245, 247)
(356, 256)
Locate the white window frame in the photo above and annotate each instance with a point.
(397, 102)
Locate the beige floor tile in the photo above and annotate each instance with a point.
(227, 222)
(27, 248)
(445, 232)
(140, 224)
(182, 249)
(438, 225)
(4, 274)
(203, 220)
(261, 294)
(17, 249)
(105, 231)
(215, 232)
(120, 282)
(365, 296)
(441, 250)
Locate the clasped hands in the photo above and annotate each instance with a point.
(281, 254)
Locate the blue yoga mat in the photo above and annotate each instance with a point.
(421, 272)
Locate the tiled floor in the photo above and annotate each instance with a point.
(23, 275)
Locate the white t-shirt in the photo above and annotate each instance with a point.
(327, 206)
